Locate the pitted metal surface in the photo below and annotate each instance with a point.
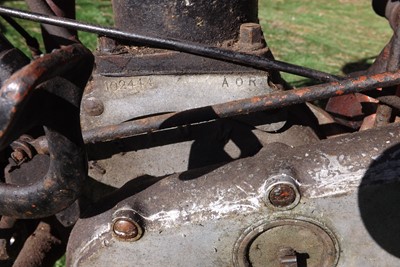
(199, 154)
(201, 207)
(159, 94)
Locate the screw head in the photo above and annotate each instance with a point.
(125, 228)
(18, 156)
(282, 192)
(93, 106)
(282, 195)
(125, 225)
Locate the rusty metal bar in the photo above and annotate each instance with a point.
(55, 37)
(174, 44)
(61, 185)
(265, 102)
(16, 91)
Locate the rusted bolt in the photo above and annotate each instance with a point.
(282, 192)
(251, 36)
(93, 106)
(125, 226)
(23, 150)
(282, 195)
(18, 156)
(106, 44)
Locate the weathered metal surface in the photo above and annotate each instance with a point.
(391, 100)
(287, 205)
(16, 92)
(282, 192)
(11, 59)
(244, 106)
(194, 214)
(256, 62)
(311, 243)
(350, 110)
(178, 150)
(60, 187)
(41, 249)
(352, 106)
(198, 20)
(158, 94)
(126, 225)
(383, 115)
(156, 62)
(251, 37)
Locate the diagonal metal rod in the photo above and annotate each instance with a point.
(31, 42)
(174, 44)
(244, 106)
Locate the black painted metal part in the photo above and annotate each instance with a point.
(174, 44)
(196, 21)
(59, 113)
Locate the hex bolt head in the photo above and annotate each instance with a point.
(93, 106)
(125, 225)
(282, 192)
(251, 36)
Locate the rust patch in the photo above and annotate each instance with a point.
(339, 92)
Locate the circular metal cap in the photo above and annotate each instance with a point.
(282, 192)
(125, 225)
(272, 243)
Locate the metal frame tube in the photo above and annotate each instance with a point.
(61, 186)
(244, 106)
(174, 44)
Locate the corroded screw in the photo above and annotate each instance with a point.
(125, 225)
(251, 36)
(106, 44)
(93, 106)
(18, 156)
(125, 229)
(282, 192)
(282, 195)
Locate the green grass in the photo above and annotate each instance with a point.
(97, 12)
(327, 35)
(324, 34)
(60, 262)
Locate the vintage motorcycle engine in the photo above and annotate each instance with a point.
(161, 81)
(193, 160)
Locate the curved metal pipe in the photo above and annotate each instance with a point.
(60, 187)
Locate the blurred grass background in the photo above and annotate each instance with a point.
(335, 36)
(95, 11)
